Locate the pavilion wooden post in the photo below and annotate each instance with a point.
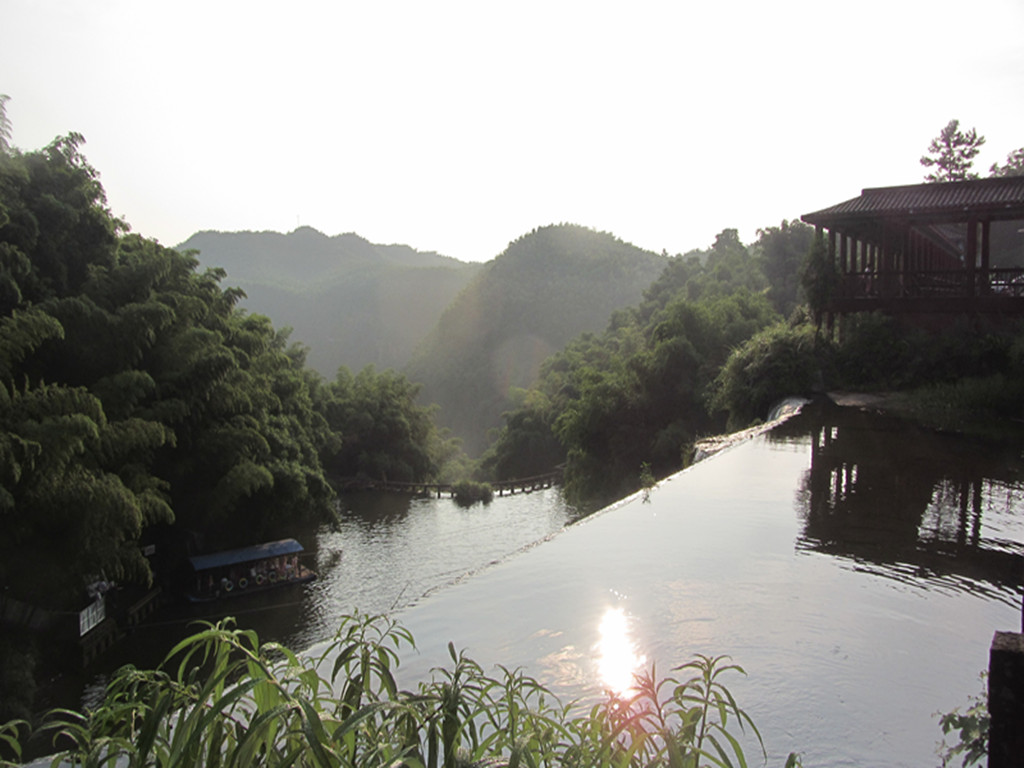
(971, 257)
(986, 281)
(1006, 700)
(887, 264)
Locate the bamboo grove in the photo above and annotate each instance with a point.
(137, 400)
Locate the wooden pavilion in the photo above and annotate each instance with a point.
(953, 248)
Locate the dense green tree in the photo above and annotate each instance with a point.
(819, 278)
(729, 267)
(780, 253)
(526, 445)
(676, 276)
(386, 435)
(73, 495)
(69, 518)
(247, 464)
(648, 405)
(1014, 165)
(952, 153)
(73, 507)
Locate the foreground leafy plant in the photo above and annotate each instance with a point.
(224, 699)
(971, 727)
(647, 481)
(10, 739)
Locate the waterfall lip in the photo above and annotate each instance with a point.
(784, 409)
(873, 400)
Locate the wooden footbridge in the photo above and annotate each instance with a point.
(500, 487)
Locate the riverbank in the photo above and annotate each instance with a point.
(934, 413)
(987, 408)
(878, 401)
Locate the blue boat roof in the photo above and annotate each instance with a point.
(245, 554)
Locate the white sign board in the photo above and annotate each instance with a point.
(92, 615)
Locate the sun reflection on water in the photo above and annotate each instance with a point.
(617, 657)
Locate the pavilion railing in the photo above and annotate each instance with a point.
(1002, 281)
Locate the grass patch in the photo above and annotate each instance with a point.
(985, 405)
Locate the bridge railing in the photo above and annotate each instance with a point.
(501, 487)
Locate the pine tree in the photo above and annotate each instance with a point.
(952, 153)
(5, 126)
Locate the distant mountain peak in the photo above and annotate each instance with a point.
(304, 256)
(306, 231)
(544, 289)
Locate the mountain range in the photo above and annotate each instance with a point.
(351, 302)
(466, 331)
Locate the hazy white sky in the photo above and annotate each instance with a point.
(459, 126)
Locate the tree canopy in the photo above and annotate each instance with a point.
(1014, 165)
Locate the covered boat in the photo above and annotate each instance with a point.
(247, 569)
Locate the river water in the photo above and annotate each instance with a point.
(854, 565)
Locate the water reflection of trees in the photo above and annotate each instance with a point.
(909, 503)
(373, 509)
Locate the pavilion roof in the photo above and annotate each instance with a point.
(995, 198)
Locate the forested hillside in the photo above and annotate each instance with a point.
(544, 289)
(630, 401)
(351, 302)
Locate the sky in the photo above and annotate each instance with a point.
(458, 127)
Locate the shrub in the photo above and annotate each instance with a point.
(773, 364)
(470, 492)
(875, 352)
(18, 658)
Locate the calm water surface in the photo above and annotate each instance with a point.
(389, 552)
(855, 566)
